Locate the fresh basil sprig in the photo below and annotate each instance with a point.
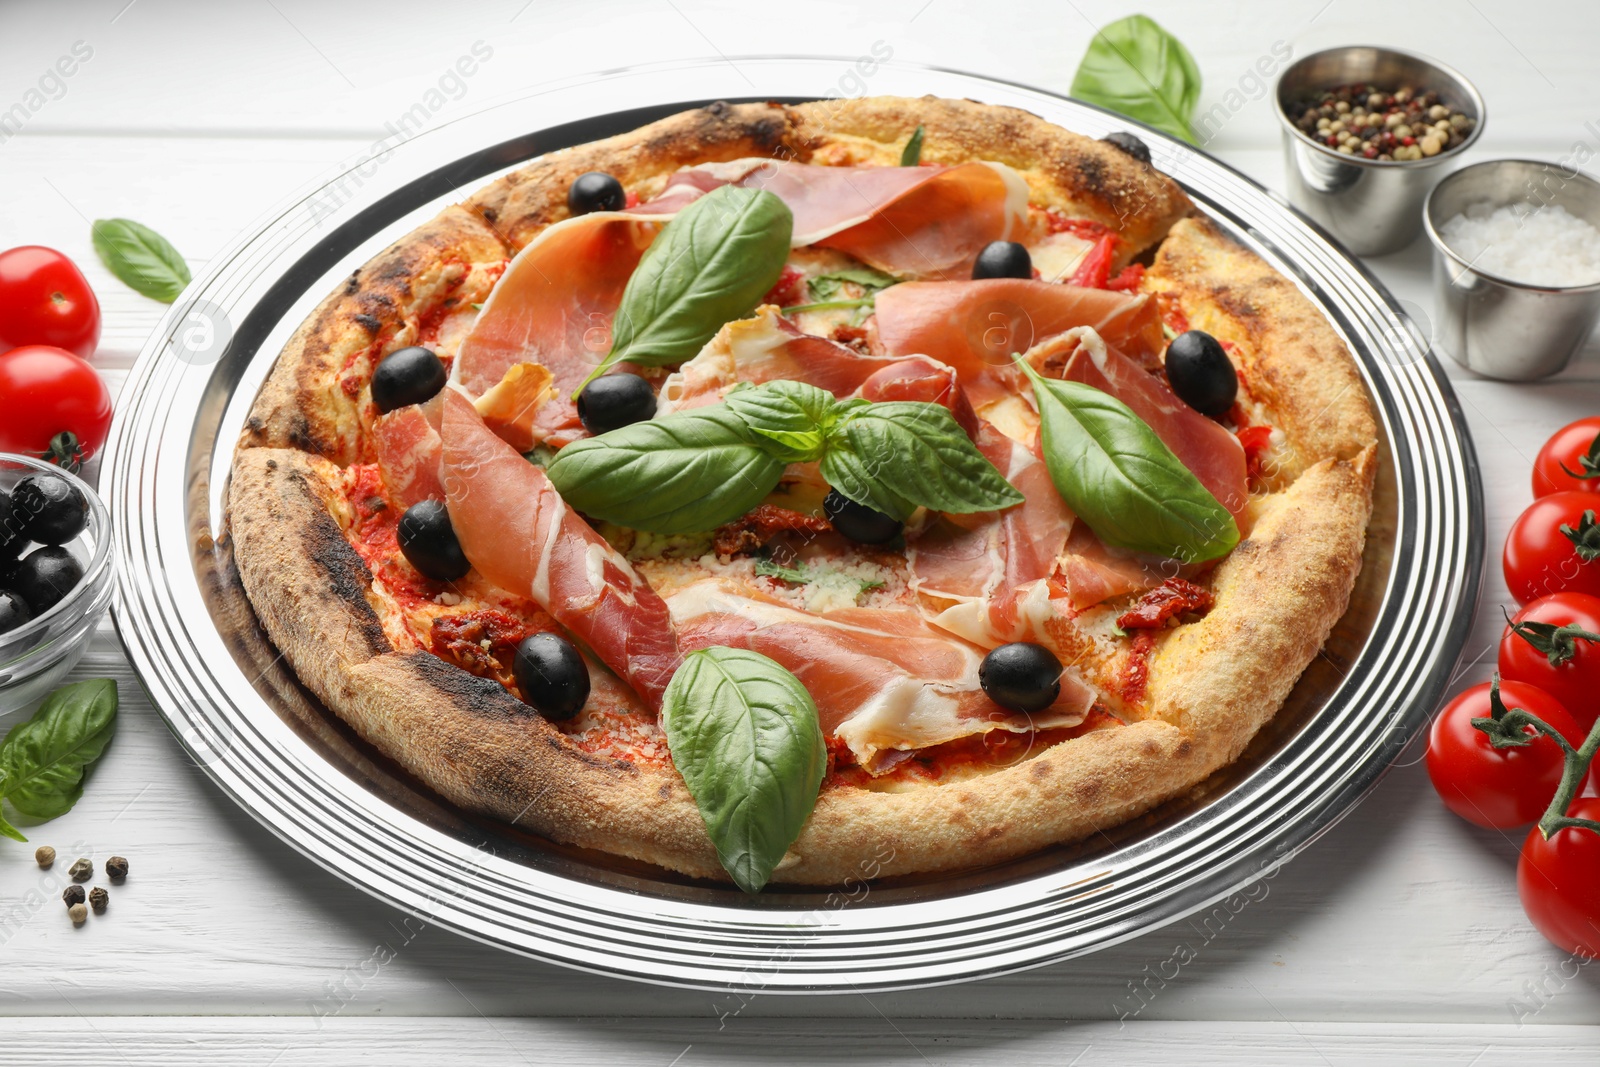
(899, 455)
(744, 734)
(1137, 69)
(702, 468)
(43, 759)
(1121, 479)
(712, 263)
(141, 258)
(680, 474)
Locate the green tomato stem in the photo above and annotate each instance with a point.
(1575, 765)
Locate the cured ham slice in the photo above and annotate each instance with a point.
(975, 326)
(885, 682)
(1094, 573)
(983, 577)
(929, 222)
(553, 306)
(765, 348)
(1211, 453)
(409, 450)
(518, 532)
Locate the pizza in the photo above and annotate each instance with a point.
(798, 493)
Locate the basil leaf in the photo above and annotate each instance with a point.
(712, 263)
(744, 734)
(679, 474)
(911, 154)
(141, 258)
(825, 287)
(790, 417)
(897, 455)
(1137, 69)
(42, 760)
(1121, 479)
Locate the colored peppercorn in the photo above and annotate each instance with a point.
(79, 914)
(81, 870)
(1380, 125)
(117, 868)
(73, 894)
(98, 899)
(44, 856)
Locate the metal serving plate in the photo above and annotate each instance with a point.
(286, 760)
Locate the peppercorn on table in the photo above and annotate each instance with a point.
(1398, 936)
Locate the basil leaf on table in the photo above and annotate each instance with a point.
(43, 759)
(744, 734)
(911, 154)
(898, 455)
(141, 258)
(679, 474)
(712, 263)
(1122, 479)
(1137, 69)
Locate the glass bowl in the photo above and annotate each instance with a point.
(37, 655)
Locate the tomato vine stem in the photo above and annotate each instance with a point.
(1506, 729)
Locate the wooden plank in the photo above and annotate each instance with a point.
(282, 1042)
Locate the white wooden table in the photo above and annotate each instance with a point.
(1396, 937)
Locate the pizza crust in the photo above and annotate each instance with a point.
(1213, 683)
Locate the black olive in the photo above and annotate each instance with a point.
(1201, 373)
(407, 376)
(1129, 144)
(858, 522)
(1003, 259)
(552, 676)
(429, 542)
(615, 400)
(44, 577)
(11, 539)
(595, 191)
(1021, 676)
(13, 611)
(49, 509)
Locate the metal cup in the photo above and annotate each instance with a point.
(1373, 207)
(1493, 325)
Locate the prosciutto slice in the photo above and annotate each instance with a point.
(885, 682)
(518, 532)
(553, 306)
(765, 348)
(408, 449)
(928, 222)
(975, 326)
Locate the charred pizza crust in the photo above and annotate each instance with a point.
(1213, 682)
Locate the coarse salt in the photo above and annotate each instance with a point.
(1547, 246)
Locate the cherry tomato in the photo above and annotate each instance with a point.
(1557, 881)
(1555, 545)
(46, 300)
(46, 391)
(1557, 622)
(1500, 788)
(1569, 447)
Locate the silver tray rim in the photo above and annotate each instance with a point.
(159, 474)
